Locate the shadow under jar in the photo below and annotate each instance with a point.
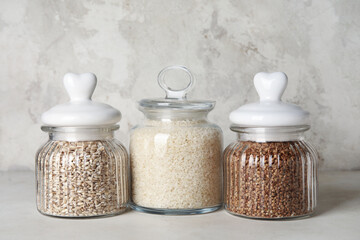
(270, 172)
(82, 170)
(175, 156)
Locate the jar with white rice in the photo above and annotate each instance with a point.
(175, 155)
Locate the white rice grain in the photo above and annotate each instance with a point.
(176, 165)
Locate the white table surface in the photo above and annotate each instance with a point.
(337, 217)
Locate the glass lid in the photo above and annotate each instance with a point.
(176, 100)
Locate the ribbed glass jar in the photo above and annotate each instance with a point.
(82, 172)
(270, 173)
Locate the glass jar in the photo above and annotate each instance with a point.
(82, 170)
(270, 172)
(175, 155)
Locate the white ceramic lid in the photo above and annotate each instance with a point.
(270, 111)
(81, 111)
(176, 100)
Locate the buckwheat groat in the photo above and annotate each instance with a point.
(267, 180)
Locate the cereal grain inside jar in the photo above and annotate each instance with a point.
(176, 165)
(269, 179)
(79, 179)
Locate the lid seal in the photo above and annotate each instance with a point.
(270, 111)
(81, 111)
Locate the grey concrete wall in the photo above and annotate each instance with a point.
(126, 43)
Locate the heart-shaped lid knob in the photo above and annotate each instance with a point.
(270, 111)
(80, 87)
(81, 111)
(270, 86)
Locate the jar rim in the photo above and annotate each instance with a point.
(171, 105)
(269, 130)
(179, 114)
(53, 129)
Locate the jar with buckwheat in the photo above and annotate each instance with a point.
(270, 172)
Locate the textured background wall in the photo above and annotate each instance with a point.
(126, 43)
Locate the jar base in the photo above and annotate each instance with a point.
(82, 217)
(272, 218)
(164, 211)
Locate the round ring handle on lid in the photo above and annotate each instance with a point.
(270, 86)
(80, 87)
(175, 94)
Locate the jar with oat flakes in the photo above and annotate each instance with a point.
(175, 154)
(82, 170)
(270, 171)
